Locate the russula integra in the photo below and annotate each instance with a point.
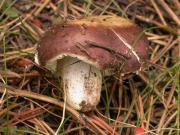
(80, 50)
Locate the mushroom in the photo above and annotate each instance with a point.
(79, 51)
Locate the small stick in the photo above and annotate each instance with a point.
(158, 12)
(83, 49)
(93, 44)
(176, 3)
(169, 11)
(148, 20)
(41, 7)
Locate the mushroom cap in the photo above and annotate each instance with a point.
(106, 42)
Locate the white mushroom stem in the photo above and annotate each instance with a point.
(82, 83)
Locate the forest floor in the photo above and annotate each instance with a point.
(146, 103)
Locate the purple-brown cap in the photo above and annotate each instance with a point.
(106, 42)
